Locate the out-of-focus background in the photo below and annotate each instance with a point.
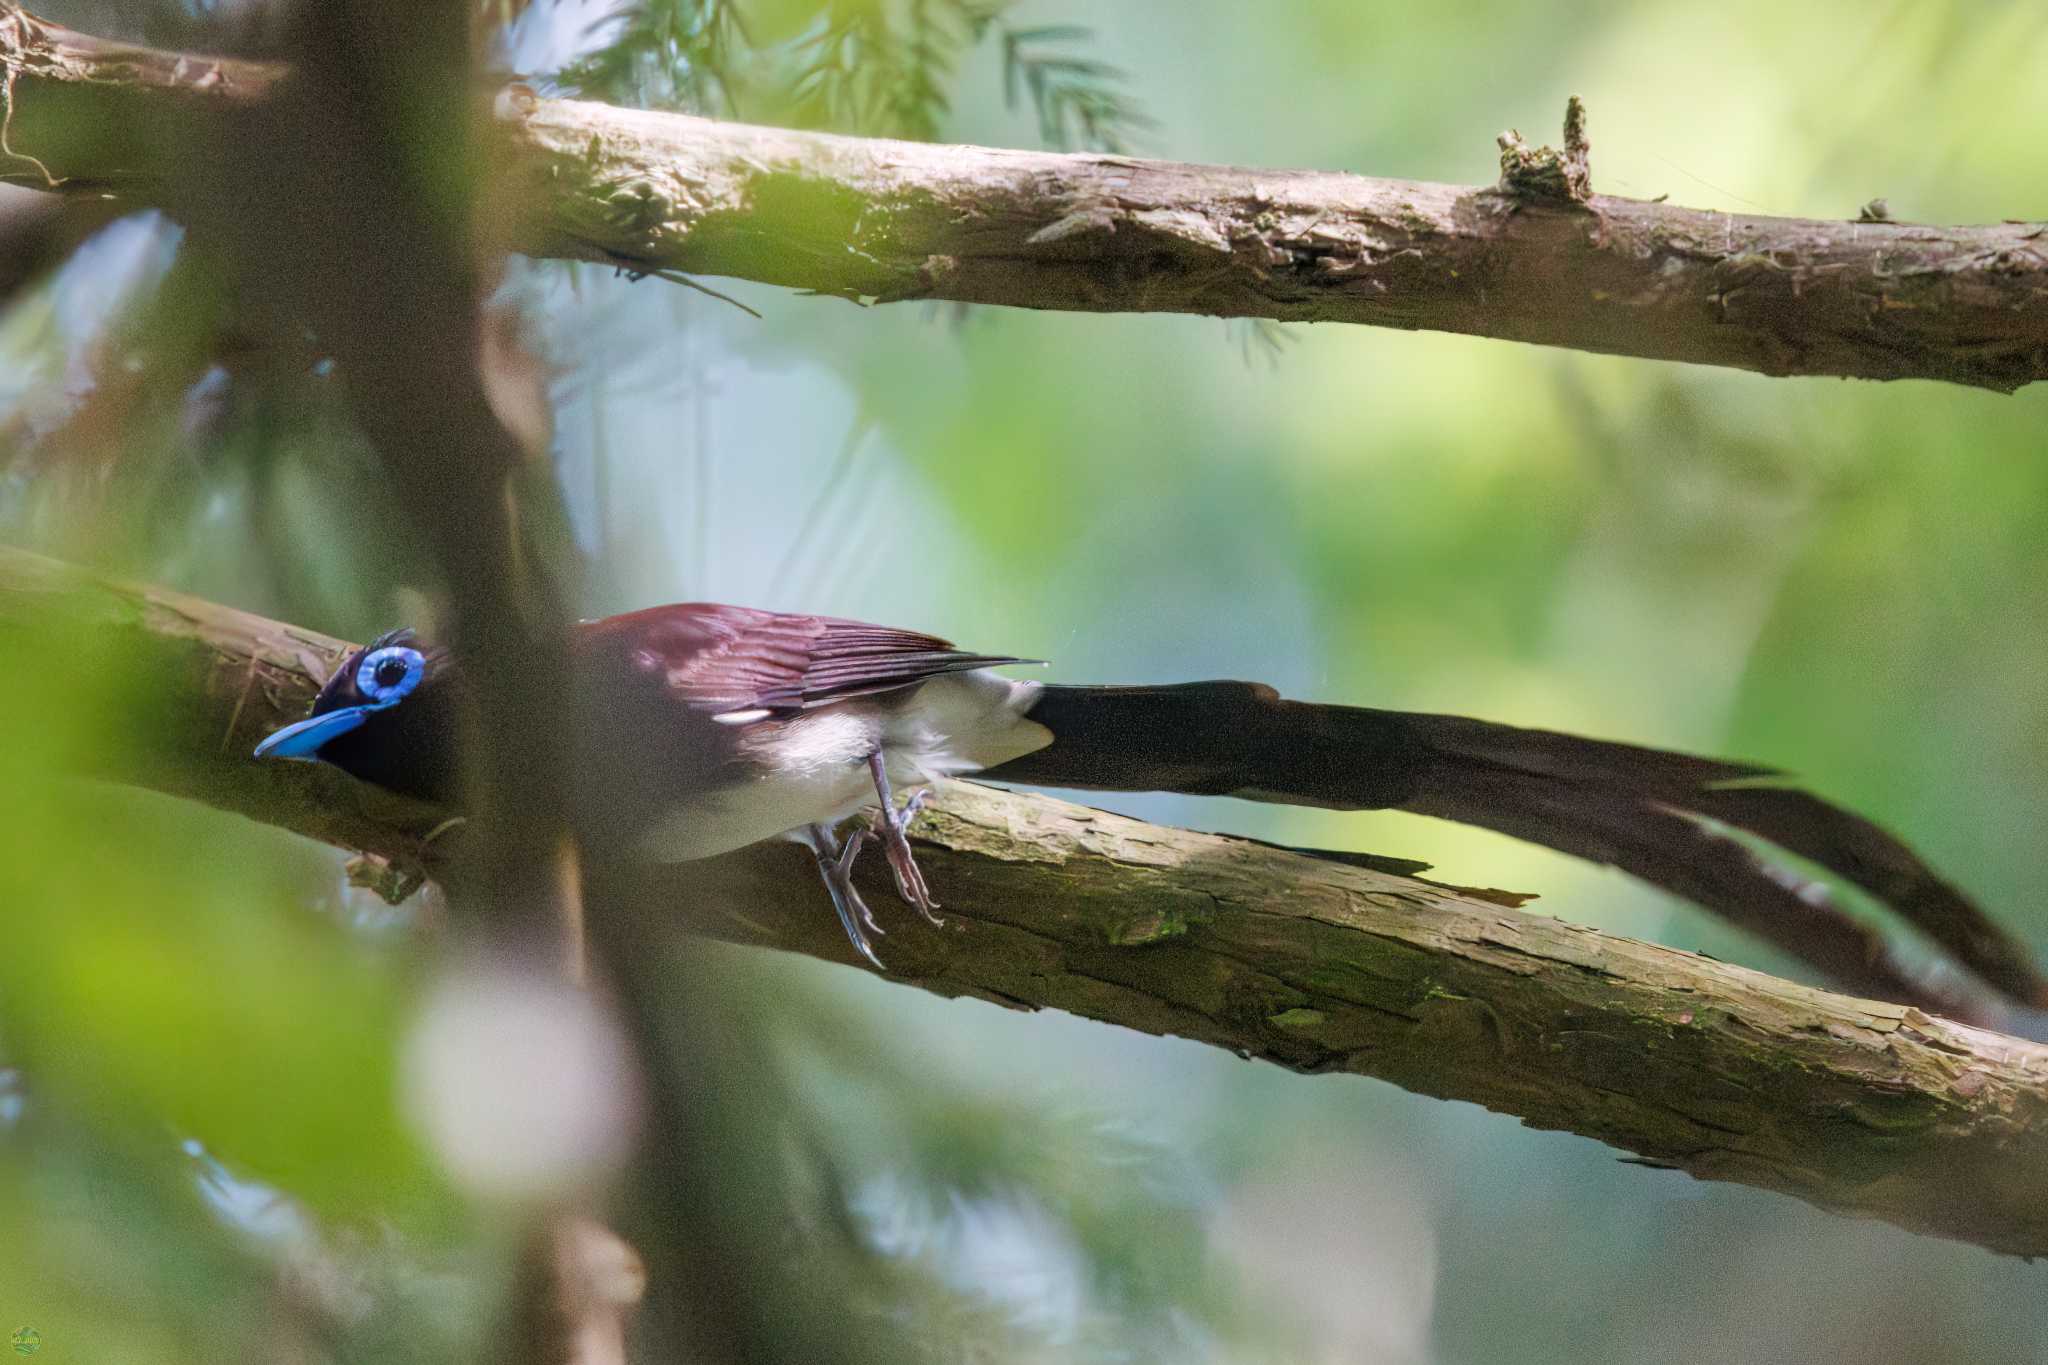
(204, 1140)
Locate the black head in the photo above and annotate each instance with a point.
(388, 715)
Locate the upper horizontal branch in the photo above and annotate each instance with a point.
(870, 218)
(1870, 1109)
(894, 220)
(891, 219)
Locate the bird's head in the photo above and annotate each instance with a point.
(385, 716)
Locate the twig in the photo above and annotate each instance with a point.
(637, 271)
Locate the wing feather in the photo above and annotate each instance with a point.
(734, 660)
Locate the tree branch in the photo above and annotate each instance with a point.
(1868, 1109)
(1536, 259)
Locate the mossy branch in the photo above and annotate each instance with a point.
(1868, 1109)
(1536, 258)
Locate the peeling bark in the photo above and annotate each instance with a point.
(1536, 259)
(1868, 1109)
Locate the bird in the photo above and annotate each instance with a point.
(700, 728)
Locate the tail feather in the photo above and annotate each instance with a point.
(1664, 846)
(1867, 856)
(1574, 758)
(1658, 815)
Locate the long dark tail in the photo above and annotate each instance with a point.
(1667, 818)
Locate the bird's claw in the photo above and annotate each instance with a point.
(856, 840)
(835, 865)
(836, 856)
(892, 826)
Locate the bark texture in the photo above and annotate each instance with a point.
(1537, 258)
(1867, 1109)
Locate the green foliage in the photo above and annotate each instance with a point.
(684, 54)
(1077, 100)
(864, 69)
(885, 67)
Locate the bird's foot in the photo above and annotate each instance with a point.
(396, 879)
(835, 865)
(892, 828)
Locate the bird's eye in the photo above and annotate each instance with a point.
(386, 675)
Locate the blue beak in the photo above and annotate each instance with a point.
(304, 738)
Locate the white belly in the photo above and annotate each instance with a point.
(815, 769)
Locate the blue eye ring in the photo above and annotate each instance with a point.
(387, 676)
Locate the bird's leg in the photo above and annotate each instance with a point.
(894, 824)
(835, 865)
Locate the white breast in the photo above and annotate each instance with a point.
(813, 768)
